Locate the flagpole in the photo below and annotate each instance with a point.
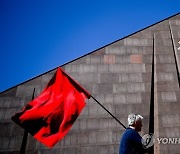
(25, 136)
(108, 112)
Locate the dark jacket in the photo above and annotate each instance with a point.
(131, 143)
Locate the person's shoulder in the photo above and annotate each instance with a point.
(130, 130)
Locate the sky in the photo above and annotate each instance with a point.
(39, 35)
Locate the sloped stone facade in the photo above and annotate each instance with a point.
(121, 76)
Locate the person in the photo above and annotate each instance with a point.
(131, 140)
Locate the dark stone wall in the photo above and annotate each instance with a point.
(120, 77)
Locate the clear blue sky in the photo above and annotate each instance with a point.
(39, 35)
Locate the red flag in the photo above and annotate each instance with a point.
(50, 116)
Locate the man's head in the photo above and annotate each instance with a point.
(135, 120)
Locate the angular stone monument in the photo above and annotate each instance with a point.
(139, 73)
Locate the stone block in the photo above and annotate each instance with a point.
(170, 86)
(34, 81)
(58, 151)
(163, 76)
(148, 86)
(169, 120)
(69, 151)
(103, 137)
(9, 113)
(175, 22)
(104, 123)
(103, 68)
(90, 68)
(82, 124)
(163, 34)
(95, 59)
(83, 138)
(175, 28)
(108, 77)
(109, 59)
(17, 130)
(7, 102)
(116, 149)
(122, 59)
(147, 59)
(15, 143)
(135, 77)
(121, 109)
(108, 98)
(165, 59)
(87, 78)
(93, 137)
(123, 78)
(67, 139)
(100, 51)
(159, 27)
(83, 60)
(168, 96)
(17, 102)
(103, 149)
(103, 88)
(113, 123)
(89, 150)
(25, 90)
(2, 99)
(10, 92)
(113, 136)
(135, 87)
(93, 110)
(120, 98)
(134, 98)
(93, 124)
(120, 88)
(147, 50)
(136, 59)
(137, 42)
(170, 133)
(2, 114)
(164, 49)
(6, 129)
(5, 143)
(117, 43)
(133, 50)
(143, 34)
(146, 77)
(163, 42)
(117, 68)
(168, 107)
(116, 50)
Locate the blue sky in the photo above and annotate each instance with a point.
(39, 35)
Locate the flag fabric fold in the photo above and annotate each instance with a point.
(50, 116)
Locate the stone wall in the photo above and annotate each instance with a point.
(119, 76)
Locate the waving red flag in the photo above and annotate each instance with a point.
(50, 116)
